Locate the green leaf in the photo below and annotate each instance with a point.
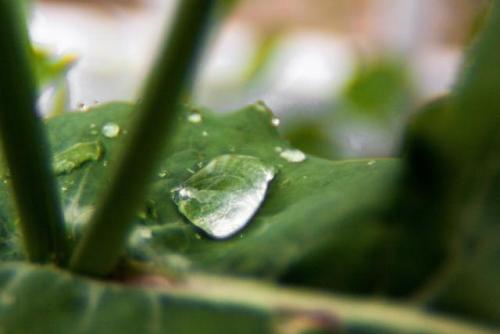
(55, 302)
(451, 184)
(58, 302)
(316, 225)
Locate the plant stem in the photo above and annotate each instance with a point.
(25, 144)
(104, 241)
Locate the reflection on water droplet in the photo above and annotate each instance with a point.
(77, 155)
(194, 118)
(371, 162)
(293, 155)
(110, 130)
(275, 122)
(222, 197)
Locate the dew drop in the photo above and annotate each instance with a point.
(194, 118)
(110, 130)
(222, 197)
(275, 121)
(293, 155)
(77, 155)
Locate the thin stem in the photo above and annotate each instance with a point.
(104, 240)
(25, 144)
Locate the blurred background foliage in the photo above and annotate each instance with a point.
(343, 76)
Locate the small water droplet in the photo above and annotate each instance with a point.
(110, 130)
(293, 155)
(371, 162)
(204, 134)
(194, 118)
(222, 197)
(77, 155)
(275, 121)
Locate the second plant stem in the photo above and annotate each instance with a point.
(104, 241)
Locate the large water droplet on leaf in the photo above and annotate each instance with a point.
(223, 196)
(77, 155)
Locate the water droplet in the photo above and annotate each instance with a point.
(371, 162)
(77, 155)
(194, 118)
(293, 155)
(275, 121)
(222, 197)
(110, 130)
(204, 134)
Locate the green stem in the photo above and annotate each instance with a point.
(104, 241)
(25, 144)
